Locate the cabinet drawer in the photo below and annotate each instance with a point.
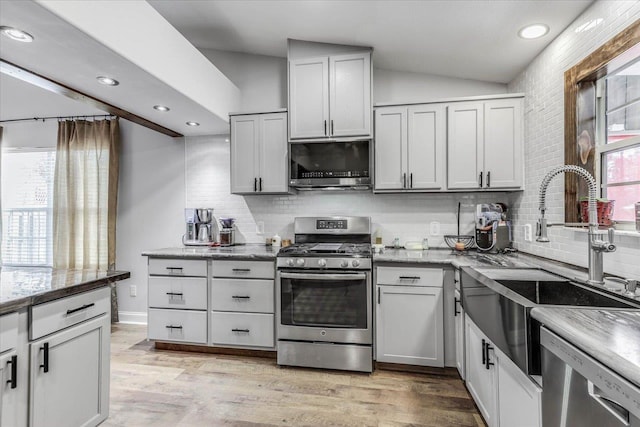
(64, 312)
(178, 325)
(177, 267)
(244, 269)
(8, 331)
(248, 295)
(409, 276)
(243, 329)
(178, 292)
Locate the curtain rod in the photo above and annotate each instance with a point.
(57, 118)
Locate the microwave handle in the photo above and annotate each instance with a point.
(311, 276)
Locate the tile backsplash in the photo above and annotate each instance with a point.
(406, 216)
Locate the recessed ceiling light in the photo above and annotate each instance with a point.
(193, 124)
(161, 108)
(533, 31)
(108, 81)
(16, 34)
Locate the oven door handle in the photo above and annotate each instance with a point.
(309, 276)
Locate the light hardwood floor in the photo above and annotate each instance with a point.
(160, 388)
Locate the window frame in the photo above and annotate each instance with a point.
(605, 60)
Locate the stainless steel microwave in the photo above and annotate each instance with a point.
(331, 165)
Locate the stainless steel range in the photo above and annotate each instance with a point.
(323, 295)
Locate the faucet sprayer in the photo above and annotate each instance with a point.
(596, 246)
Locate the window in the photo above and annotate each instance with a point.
(618, 148)
(27, 194)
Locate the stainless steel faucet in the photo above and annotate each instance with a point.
(597, 246)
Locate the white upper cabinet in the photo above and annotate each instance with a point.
(330, 96)
(410, 147)
(259, 153)
(484, 145)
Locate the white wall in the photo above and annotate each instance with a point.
(405, 87)
(30, 134)
(263, 82)
(543, 83)
(150, 208)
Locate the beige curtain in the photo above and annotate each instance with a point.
(85, 194)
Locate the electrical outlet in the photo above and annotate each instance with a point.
(434, 228)
(260, 227)
(133, 290)
(528, 233)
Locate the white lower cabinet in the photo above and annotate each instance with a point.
(187, 326)
(242, 304)
(409, 319)
(69, 376)
(9, 392)
(504, 395)
(242, 329)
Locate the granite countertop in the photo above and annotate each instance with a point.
(610, 336)
(24, 286)
(448, 256)
(255, 252)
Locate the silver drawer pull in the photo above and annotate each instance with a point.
(174, 269)
(240, 297)
(84, 307)
(173, 327)
(409, 277)
(246, 331)
(241, 270)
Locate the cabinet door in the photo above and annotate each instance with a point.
(10, 388)
(409, 325)
(503, 164)
(465, 145)
(309, 98)
(274, 170)
(459, 321)
(519, 399)
(390, 148)
(244, 143)
(350, 95)
(426, 147)
(70, 376)
(480, 381)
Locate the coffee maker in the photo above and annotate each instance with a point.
(493, 230)
(200, 227)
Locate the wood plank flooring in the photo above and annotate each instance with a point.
(159, 388)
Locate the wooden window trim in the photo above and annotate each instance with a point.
(602, 61)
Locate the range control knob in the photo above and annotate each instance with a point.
(344, 263)
(290, 262)
(300, 262)
(322, 262)
(355, 263)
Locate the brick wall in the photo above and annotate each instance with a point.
(543, 84)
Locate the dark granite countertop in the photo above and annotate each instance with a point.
(610, 336)
(24, 286)
(252, 252)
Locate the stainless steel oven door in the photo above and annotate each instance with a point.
(325, 306)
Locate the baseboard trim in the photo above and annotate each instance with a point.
(132, 317)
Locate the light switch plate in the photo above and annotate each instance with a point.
(260, 227)
(133, 290)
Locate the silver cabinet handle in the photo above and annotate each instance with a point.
(331, 127)
(246, 331)
(240, 297)
(480, 179)
(324, 277)
(488, 179)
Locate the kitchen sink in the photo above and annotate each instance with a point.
(561, 293)
(500, 300)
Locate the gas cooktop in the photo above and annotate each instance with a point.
(326, 249)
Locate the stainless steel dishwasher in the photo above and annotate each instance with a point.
(580, 391)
